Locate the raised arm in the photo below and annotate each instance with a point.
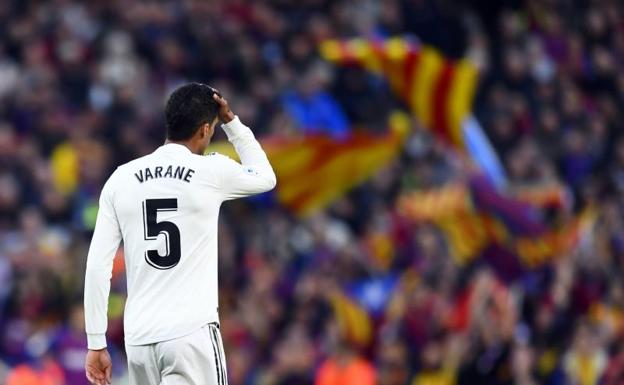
(254, 174)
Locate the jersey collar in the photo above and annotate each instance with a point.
(173, 147)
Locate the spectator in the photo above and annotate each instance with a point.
(344, 367)
(313, 109)
(81, 91)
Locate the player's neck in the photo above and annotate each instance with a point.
(193, 147)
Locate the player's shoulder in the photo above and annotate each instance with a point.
(126, 167)
(129, 167)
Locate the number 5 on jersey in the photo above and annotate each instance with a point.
(152, 229)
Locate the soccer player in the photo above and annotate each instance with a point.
(164, 207)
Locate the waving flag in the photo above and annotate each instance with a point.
(374, 293)
(474, 216)
(353, 320)
(314, 170)
(438, 91)
(359, 304)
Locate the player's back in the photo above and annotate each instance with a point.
(167, 206)
(164, 207)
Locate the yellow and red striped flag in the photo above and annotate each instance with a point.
(314, 170)
(469, 229)
(438, 91)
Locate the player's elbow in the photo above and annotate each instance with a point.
(93, 274)
(269, 179)
(97, 270)
(272, 181)
(268, 183)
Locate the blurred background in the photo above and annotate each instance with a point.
(450, 184)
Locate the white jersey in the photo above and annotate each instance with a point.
(165, 208)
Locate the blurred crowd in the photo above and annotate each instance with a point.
(82, 87)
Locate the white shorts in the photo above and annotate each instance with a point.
(195, 359)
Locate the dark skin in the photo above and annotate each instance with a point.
(98, 364)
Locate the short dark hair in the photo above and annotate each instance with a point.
(188, 108)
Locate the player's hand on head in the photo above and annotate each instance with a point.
(98, 367)
(225, 114)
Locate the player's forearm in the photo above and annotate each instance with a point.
(97, 289)
(104, 244)
(249, 150)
